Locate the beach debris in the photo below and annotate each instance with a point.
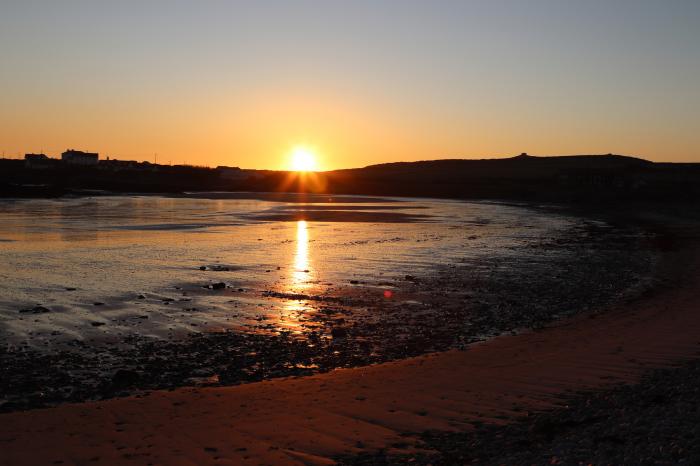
(70, 288)
(97, 324)
(98, 303)
(218, 286)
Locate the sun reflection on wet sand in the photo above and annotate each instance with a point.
(301, 266)
(299, 282)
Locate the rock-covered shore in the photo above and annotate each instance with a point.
(655, 422)
(458, 304)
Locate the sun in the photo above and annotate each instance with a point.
(303, 159)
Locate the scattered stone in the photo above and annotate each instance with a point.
(652, 422)
(98, 304)
(97, 324)
(438, 317)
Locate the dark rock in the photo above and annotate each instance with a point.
(97, 324)
(98, 304)
(218, 286)
(35, 310)
(339, 332)
(124, 378)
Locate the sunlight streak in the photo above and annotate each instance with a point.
(300, 274)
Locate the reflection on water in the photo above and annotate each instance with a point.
(292, 309)
(155, 257)
(301, 266)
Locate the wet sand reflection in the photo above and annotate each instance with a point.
(292, 311)
(301, 268)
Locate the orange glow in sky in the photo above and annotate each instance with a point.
(362, 82)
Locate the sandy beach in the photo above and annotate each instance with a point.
(317, 419)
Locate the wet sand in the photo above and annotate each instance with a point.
(291, 298)
(313, 420)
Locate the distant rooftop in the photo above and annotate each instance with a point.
(35, 156)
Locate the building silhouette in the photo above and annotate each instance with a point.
(78, 157)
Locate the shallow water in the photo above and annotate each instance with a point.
(68, 254)
(105, 296)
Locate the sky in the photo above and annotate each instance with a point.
(209, 82)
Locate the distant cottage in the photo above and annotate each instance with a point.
(38, 161)
(78, 157)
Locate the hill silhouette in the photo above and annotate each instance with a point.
(524, 177)
(576, 178)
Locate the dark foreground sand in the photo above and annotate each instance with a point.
(314, 419)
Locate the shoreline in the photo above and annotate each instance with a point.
(315, 419)
(347, 324)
